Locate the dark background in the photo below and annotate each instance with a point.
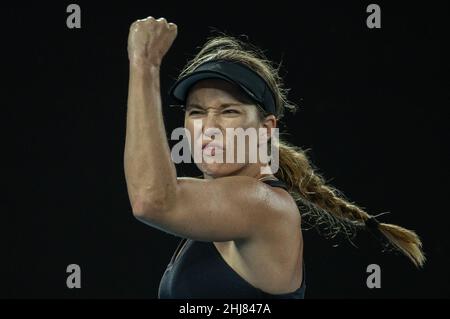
(373, 111)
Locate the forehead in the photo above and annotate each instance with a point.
(210, 90)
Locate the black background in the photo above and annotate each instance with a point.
(373, 111)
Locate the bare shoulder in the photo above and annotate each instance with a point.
(285, 207)
(269, 202)
(277, 245)
(222, 209)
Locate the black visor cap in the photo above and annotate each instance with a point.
(246, 79)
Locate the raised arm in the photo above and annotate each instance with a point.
(228, 208)
(149, 171)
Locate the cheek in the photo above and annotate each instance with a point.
(244, 121)
(251, 119)
(190, 126)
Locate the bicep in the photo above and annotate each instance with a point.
(222, 209)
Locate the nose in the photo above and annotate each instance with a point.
(211, 126)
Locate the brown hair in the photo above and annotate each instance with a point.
(321, 204)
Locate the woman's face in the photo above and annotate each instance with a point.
(212, 107)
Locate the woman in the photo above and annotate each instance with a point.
(240, 223)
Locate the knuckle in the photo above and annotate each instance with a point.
(134, 26)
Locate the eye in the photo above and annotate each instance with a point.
(231, 111)
(194, 112)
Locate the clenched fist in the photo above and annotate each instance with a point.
(149, 40)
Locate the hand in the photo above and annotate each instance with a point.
(149, 40)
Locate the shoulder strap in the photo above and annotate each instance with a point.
(275, 183)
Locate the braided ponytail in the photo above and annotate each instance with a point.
(325, 205)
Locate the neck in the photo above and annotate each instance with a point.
(253, 170)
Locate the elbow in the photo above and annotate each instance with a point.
(149, 209)
(151, 203)
(139, 209)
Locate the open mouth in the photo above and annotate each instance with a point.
(211, 149)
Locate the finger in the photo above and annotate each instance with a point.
(133, 25)
(162, 20)
(149, 18)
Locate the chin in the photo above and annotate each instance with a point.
(216, 170)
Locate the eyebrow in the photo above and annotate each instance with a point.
(221, 106)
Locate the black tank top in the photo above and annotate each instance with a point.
(201, 272)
